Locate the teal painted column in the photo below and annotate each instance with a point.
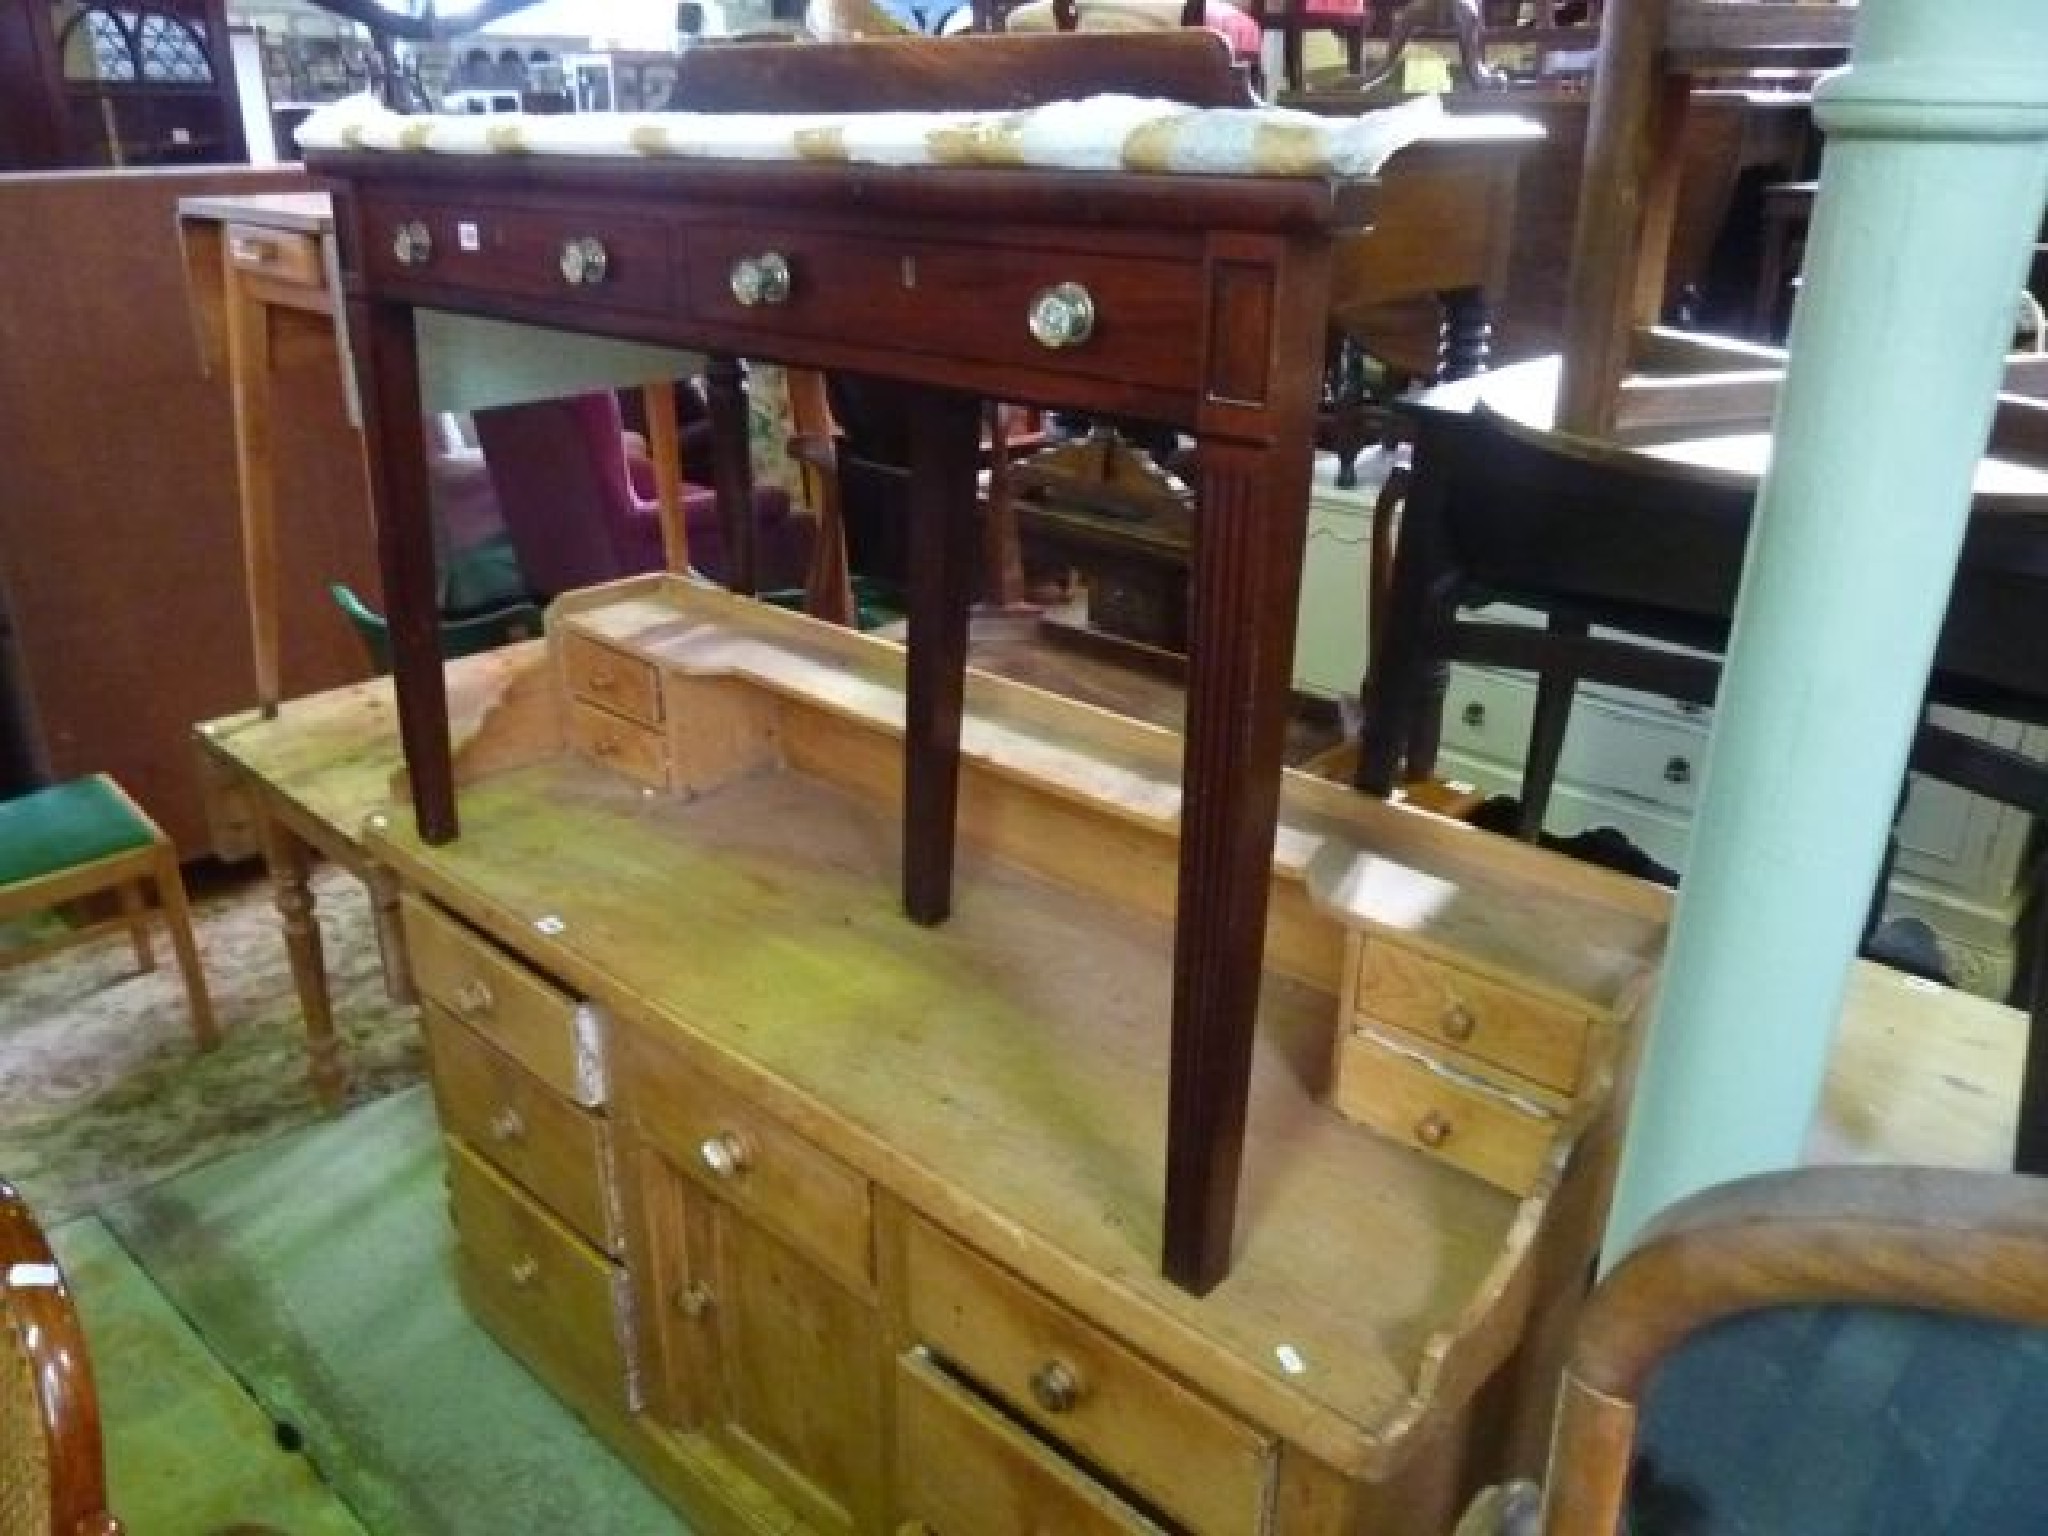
(1932, 187)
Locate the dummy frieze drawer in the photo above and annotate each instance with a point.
(552, 1299)
(557, 1038)
(962, 1469)
(557, 1151)
(1174, 1449)
(558, 255)
(1122, 318)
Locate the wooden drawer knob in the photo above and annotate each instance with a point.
(1433, 1129)
(725, 1155)
(693, 1299)
(1458, 1021)
(474, 997)
(507, 1125)
(1056, 1387)
(523, 1272)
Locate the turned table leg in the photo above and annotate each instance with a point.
(288, 861)
(392, 952)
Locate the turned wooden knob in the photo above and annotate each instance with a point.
(725, 1155)
(1458, 1021)
(1056, 1386)
(507, 1125)
(693, 1300)
(1433, 1129)
(474, 997)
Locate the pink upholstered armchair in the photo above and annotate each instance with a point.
(566, 487)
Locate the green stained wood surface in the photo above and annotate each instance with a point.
(1006, 1070)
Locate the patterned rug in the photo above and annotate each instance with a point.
(102, 1092)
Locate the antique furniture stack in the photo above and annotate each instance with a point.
(839, 1217)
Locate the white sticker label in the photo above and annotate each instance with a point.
(550, 924)
(1290, 1360)
(468, 236)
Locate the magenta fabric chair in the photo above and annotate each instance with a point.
(565, 487)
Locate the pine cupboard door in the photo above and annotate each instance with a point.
(768, 1355)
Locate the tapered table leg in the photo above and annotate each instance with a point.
(1246, 584)
(944, 439)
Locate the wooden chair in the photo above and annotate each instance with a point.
(1950, 1244)
(52, 1472)
(84, 838)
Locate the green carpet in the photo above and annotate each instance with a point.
(318, 1268)
(188, 1453)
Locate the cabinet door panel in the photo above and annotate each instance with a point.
(765, 1352)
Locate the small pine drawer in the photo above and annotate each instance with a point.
(283, 256)
(750, 1159)
(637, 751)
(543, 1028)
(964, 1470)
(1178, 1452)
(1486, 1022)
(548, 1297)
(559, 1153)
(1462, 1120)
(624, 685)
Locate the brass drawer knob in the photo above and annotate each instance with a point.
(474, 998)
(523, 1272)
(761, 280)
(1458, 1021)
(1056, 1386)
(584, 261)
(1062, 316)
(725, 1155)
(694, 1299)
(412, 243)
(507, 1125)
(1433, 1129)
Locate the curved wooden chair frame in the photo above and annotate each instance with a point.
(50, 1448)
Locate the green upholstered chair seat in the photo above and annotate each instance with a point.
(65, 826)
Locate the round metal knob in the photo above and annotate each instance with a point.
(1062, 316)
(1056, 1386)
(1678, 771)
(1433, 1129)
(1474, 715)
(1458, 1021)
(412, 243)
(725, 1155)
(694, 1299)
(583, 261)
(474, 997)
(507, 1125)
(523, 1272)
(762, 279)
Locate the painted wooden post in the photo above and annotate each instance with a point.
(1932, 188)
